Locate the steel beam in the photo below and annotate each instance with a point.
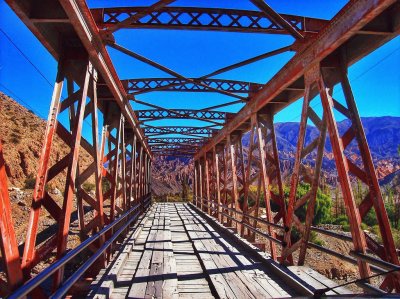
(194, 18)
(8, 240)
(154, 114)
(175, 140)
(81, 31)
(341, 31)
(137, 86)
(179, 130)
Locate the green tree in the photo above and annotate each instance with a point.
(323, 205)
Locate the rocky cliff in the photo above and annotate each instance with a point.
(21, 132)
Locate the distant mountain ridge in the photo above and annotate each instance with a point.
(383, 136)
(22, 135)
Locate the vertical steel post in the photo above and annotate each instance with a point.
(265, 183)
(235, 192)
(246, 185)
(343, 173)
(115, 170)
(8, 241)
(70, 188)
(207, 184)
(123, 166)
(201, 184)
(140, 177)
(217, 183)
(41, 178)
(99, 151)
(195, 183)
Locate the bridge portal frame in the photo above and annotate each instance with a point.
(221, 172)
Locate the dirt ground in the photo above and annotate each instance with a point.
(331, 267)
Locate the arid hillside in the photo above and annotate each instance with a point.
(22, 132)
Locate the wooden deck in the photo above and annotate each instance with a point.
(173, 252)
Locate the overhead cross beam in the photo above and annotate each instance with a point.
(216, 19)
(155, 114)
(169, 71)
(278, 19)
(174, 113)
(174, 153)
(198, 84)
(138, 86)
(342, 31)
(152, 141)
(174, 146)
(178, 130)
(137, 16)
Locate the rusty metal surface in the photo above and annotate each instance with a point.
(352, 18)
(196, 18)
(138, 86)
(223, 171)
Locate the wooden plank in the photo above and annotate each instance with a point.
(220, 283)
(314, 283)
(175, 253)
(139, 283)
(191, 279)
(125, 277)
(170, 276)
(222, 263)
(256, 279)
(323, 280)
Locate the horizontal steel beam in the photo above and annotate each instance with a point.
(154, 114)
(340, 31)
(194, 18)
(136, 86)
(174, 146)
(79, 36)
(176, 140)
(179, 130)
(174, 154)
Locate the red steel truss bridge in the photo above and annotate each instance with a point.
(210, 247)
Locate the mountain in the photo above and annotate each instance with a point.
(168, 174)
(383, 135)
(22, 132)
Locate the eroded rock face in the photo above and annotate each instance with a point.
(168, 173)
(22, 134)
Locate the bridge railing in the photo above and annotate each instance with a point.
(226, 215)
(117, 227)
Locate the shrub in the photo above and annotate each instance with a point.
(346, 227)
(30, 182)
(88, 186)
(396, 237)
(342, 219)
(370, 218)
(314, 239)
(323, 204)
(376, 231)
(15, 138)
(364, 226)
(105, 185)
(322, 212)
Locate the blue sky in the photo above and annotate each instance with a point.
(375, 79)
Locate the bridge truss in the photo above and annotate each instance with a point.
(229, 183)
